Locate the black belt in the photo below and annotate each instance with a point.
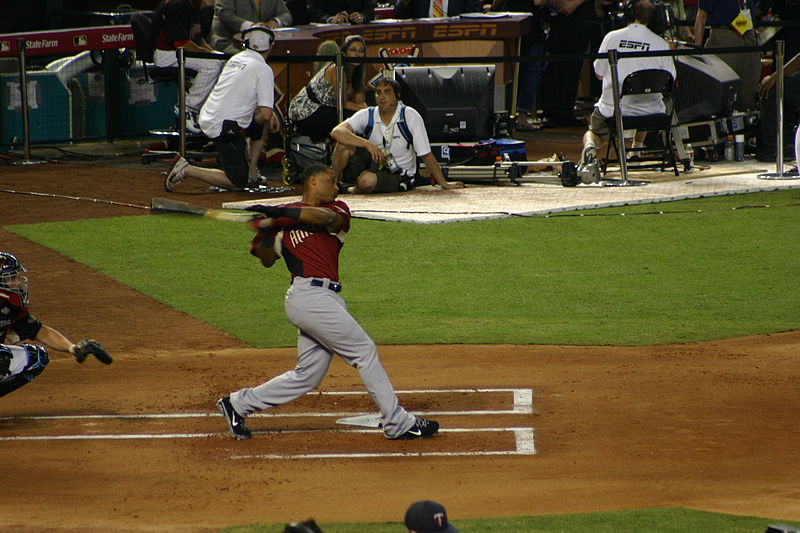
(334, 286)
(724, 27)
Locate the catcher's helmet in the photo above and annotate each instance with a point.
(258, 38)
(11, 278)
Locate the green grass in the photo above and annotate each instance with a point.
(589, 280)
(672, 520)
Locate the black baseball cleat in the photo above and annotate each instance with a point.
(422, 429)
(235, 421)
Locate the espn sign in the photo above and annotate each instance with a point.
(464, 31)
(390, 34)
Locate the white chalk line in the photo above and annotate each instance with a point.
(523, 436)
(523, 404)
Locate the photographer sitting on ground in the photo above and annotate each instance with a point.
(377, 148)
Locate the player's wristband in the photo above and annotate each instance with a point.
(276, 212)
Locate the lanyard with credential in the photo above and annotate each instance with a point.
(387, 142)
(744, 20)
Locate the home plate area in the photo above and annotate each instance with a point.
(322, 425)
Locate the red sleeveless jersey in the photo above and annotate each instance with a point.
(309, 252)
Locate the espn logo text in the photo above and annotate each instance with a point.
(462, 31)
(395, 34)
(634, 45)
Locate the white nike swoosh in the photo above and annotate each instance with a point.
(417, 432)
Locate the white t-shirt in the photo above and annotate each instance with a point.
(246, 82)
(389, 136)
(632, 38)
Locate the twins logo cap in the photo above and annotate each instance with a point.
(258, 38)
(428, 517)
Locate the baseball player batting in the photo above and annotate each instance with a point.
(20, 364)
(309, 235)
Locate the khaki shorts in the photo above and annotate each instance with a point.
(598, 124)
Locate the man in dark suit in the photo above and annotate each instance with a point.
(231, 17)
(419, 9)
(342, 11)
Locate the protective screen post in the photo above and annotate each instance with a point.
(515, 81)
(779, 52)
(779, 173)
(623, 166)
(340, 86)
(181, 100)
(23, 89)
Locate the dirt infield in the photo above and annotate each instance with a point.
(709, 426)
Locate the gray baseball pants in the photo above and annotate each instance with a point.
(326, 328)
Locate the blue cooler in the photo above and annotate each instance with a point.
(515, 149)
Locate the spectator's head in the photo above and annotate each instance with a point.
(306, 526)
(387, 94)
(354, 45)
(428, 517)
(644, 11)
(325, 48)
(258, 38)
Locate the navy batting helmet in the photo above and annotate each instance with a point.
(11, 278)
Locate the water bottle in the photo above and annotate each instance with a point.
(729, 148)
(738, 152)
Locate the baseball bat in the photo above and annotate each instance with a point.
(167, 205)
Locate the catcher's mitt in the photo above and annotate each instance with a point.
(85, 347)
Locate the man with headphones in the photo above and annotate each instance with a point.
(239, 105)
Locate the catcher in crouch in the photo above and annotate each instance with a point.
(21, 363)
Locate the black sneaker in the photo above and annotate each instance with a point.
(235, 421)
(421, 429)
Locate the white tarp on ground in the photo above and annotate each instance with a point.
(430, 205)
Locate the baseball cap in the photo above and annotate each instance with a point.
(427, 516)
(258, 38)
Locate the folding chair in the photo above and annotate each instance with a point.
(659, 151)
(144, 36)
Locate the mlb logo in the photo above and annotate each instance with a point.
(5, 46)
(80, 40)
